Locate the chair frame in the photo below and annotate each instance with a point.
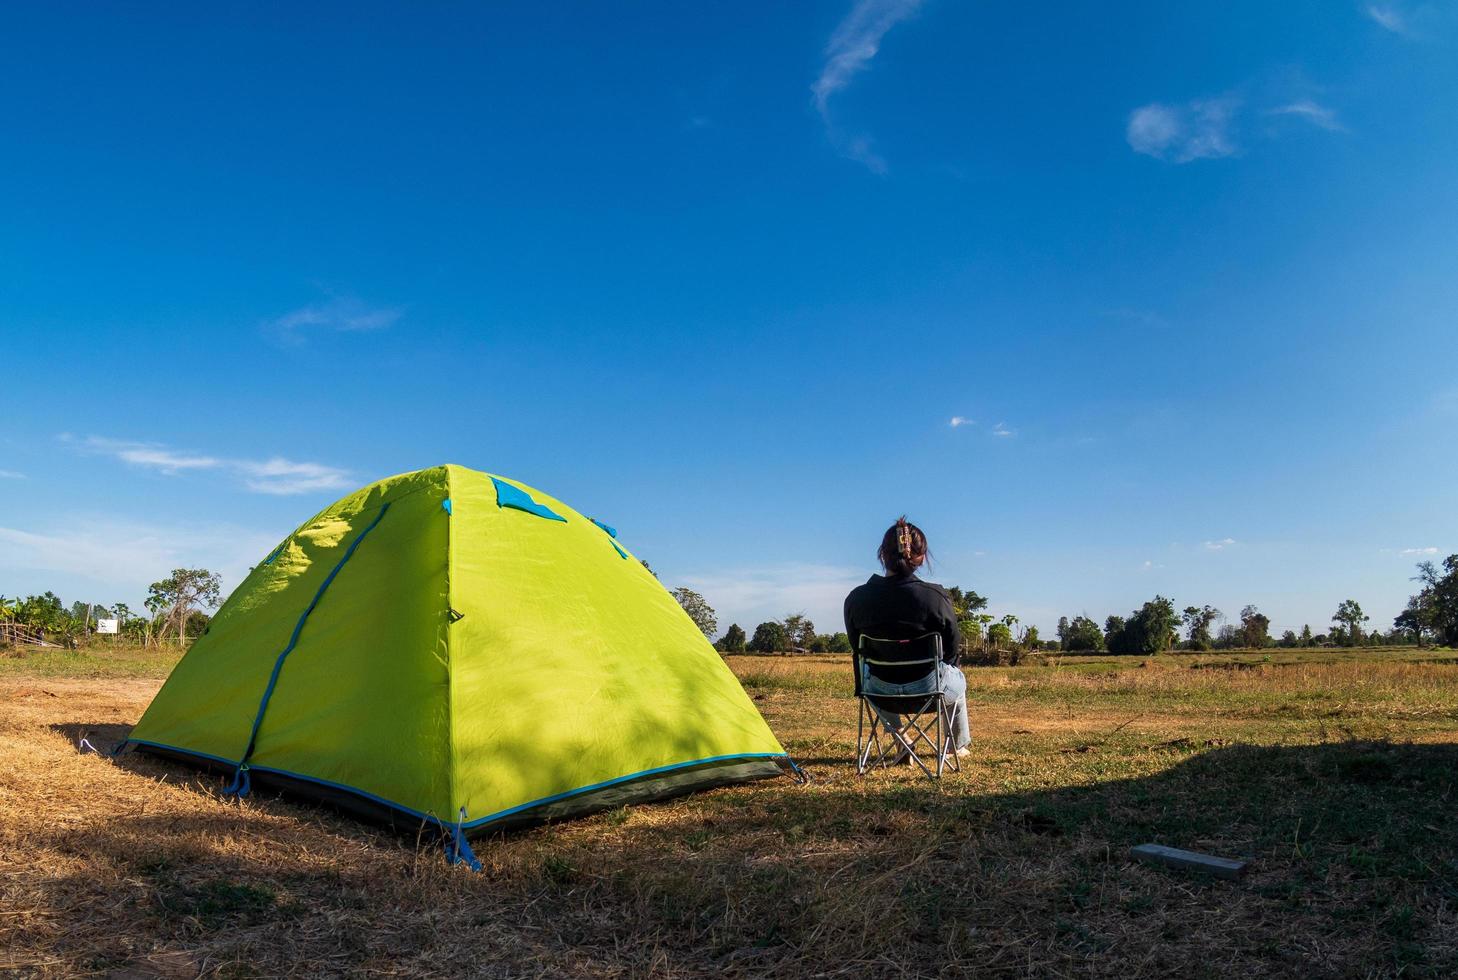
(909, 709)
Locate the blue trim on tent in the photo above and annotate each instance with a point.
(510, 496)
(612, 532)
(294, 638)
(445, 505)
(620, 551)
(480, 820)
(173, 748)
(623, 779)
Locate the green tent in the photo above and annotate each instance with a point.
(456, 649)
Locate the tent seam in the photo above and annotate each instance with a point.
(450, 663)
(277, 671)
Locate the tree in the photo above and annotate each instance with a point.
(698, 609)
(181, 592)
(734, 640)
(1289, 640)
(1306, 639)
(1084, 636)
(1349, 614)
(1255, 628)
(970, 629)
(648, 566)
(840, 643)
(1436, 603)
(968, 607)
(1030, 638)
(1198, 620)
(965, 602)
(1152, 628)
(999, 635)
(769, 638)
(799, 631)
(1114, 635)
(1412, 621)
(1064, 628)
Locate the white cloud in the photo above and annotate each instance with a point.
(1389, 16)
(1002, 431)
(95, 553)
(11, 475)
(339, 314)
(1195, 130)
(1311, 111)
(958, 421)
(1220, 545)
(275, 475)
(1418, 551)
(756, 595)
(282, 476)
(851, 48)
(151, 455)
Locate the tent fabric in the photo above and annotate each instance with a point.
(431, 654)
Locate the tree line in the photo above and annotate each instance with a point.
(174, 607)
(1155, 627)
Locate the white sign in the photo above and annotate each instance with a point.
(106, 625)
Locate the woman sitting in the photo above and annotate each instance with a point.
(898, 605)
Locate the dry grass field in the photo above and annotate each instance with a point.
(1335, 775)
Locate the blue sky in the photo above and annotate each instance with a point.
(727, 274)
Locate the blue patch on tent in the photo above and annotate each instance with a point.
(276, 552)
(612, 532)
(620, 551)
(509, 496)
(446, 505)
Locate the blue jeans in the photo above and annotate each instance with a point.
(954, 694)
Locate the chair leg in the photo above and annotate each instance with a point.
(860, 736)
(872, 726)
(952, 759)
(941, 747)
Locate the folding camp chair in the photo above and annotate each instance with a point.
(903, 662)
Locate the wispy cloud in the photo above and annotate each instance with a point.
(275, 475)
(750, 596)
(1311, 111)
(958, 421)
(1195, 130)
(1418, 551)
(150, 455)
(338, 314)
(852, 46)
(99, 552)
(1220, 545)
(11, 475)
(1389, 16)
(1002, 431)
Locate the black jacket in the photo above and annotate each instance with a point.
(900, 608)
